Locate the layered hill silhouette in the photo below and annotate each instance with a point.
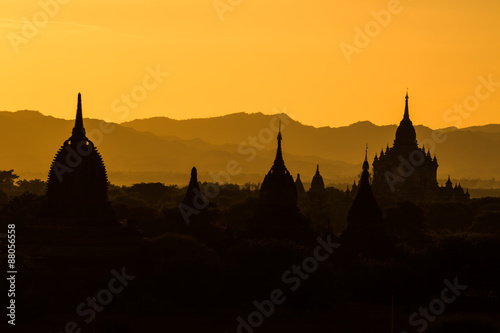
(164, 150)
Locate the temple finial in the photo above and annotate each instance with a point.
(279, 164)
(365, 163)
(78, 130)
(79, 116)
(407, 113)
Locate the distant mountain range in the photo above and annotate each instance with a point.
(164, 150)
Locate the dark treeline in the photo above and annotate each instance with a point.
(213, 265)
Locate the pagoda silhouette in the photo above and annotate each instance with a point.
(278, 215)
(197, 216)
(193, 193)
(278, 189)
(317, 183)
(77, 234)
(195, 207)
(365, 233)
(300, 187)
(77, 186)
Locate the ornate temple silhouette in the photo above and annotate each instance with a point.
(77, 186)
(450, 192)
(405, 171)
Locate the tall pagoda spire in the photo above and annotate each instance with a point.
(407, 113)
(405, 134)
(364, 208)
(78, 129)
(366, 166)
(279, 163)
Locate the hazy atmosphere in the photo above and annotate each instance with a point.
(250, 166)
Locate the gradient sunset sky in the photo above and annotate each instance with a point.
(263, 56)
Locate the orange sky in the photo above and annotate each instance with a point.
(264, 56)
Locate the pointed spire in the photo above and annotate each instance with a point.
(79, 116)
(366, 166)
(364, 210)
(407, 113)
(279, 164)
(78, 130)
(317, 169)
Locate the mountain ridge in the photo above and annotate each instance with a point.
(169, 148)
